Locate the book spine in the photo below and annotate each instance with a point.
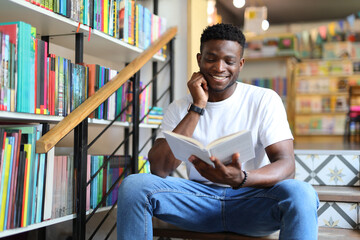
(5, 181)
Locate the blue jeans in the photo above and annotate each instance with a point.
(290, 206)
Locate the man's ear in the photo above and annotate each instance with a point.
(242, 62)
(198, 57)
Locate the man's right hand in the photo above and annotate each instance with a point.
(198, 89)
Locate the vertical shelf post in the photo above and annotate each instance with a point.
(135, 122)
(41, 232)
(171, 53)
(80, 158)
(154, 73)
(154, 94)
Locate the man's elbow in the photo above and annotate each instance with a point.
(158, 172)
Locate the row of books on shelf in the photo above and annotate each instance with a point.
(321, 104)
(326, 125)
(278, 84)
(123, 19)
(341, 49)
(271, 46)
(322, 85)
(42, 83)
(324, 67)
(117, 168)
(155, 116)
(22, 173)
(38, 187)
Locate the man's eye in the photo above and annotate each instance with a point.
(210, 60)
(230, 63)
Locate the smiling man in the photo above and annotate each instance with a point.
(255, 198)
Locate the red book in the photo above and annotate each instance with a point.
(46, 84)
(92, 82)
(2, 152)
(51, 87)
(16, 157)
(36, 74)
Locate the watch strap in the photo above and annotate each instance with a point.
(196, 109)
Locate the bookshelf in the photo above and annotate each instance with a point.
(270, 62)
(97, 45)
(48, 23)
(321, 98)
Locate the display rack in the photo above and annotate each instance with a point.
(82, 40)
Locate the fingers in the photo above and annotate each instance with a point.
(217, 163)
(199, 89)
(236, 160)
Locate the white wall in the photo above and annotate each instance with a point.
(175, 11)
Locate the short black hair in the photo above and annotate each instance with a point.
(223, 31)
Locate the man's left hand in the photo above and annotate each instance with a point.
(230, 174)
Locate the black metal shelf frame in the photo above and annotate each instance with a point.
(81, 145)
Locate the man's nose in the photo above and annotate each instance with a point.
(220, 66)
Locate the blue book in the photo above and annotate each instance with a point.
(34, 192)
(92, 184)
(141, 26)
(40, 189)
(147, 28)
(31, 79)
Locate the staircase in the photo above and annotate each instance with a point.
(335, 175)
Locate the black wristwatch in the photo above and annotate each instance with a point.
(196, 109)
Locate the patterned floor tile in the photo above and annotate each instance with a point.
(341, 215)
(336, 170)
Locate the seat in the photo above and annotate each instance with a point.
(352, 125)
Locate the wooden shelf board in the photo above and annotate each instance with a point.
(322, 94)
(319, 135)
(47, 223)
(338, 193)
(163, 229)
(319, 113)
(36, 226)
(270, 58)
(308, 77)
(8, 117)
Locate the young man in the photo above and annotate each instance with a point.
(255, 198)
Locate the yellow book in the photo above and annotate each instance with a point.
(106, 16)
(141, 164)
(137, 25)
(27, 148)
(7, 156)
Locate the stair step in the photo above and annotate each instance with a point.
(324, 234)
(338, 194)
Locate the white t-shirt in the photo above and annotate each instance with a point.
(257, 109)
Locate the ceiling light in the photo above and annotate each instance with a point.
(239, 3)
(210, 7)
(265, 25)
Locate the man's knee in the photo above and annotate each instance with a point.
(300, 194)
(136, 185)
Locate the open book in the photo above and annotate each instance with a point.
(222, 148)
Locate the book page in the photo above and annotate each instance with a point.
(185, 138)
(226, 138)
(183, 149)
(241, 143)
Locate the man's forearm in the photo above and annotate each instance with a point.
(162, 161)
